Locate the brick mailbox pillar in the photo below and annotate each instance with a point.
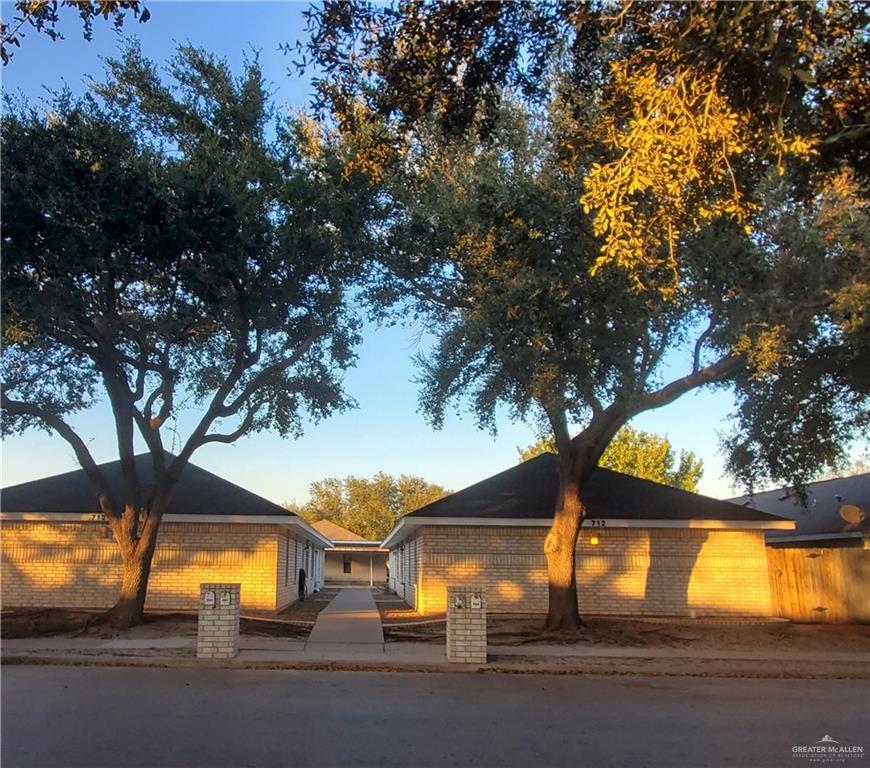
(466, 624)
(217, 635)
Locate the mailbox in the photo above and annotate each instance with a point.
(208, 599)
(459, 602)
(225, 598)
(476, 602)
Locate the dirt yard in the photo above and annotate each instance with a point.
(392, 608)
(295, 621)
(698, 634)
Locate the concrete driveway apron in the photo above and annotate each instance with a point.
(351, 618)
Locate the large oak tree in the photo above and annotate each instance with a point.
(677, 179)
(491, 243)
(172, 243)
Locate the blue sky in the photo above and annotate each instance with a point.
(385, 432)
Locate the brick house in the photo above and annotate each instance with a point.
(57, 550)
(352, 559)
(645, 548)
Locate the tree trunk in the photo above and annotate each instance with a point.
(129, 610)
(559, 547)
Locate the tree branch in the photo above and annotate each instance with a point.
(722, 369)
(247, 422)
(593, 441)
(437, 298)
(95, 475)
(218, 409)
(559, 424)
(699, 344)
(262, 376)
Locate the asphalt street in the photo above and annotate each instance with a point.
(192, 718)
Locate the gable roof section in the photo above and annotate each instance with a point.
(199, 492)
(821, 515)
(335, 532)
(528, 491)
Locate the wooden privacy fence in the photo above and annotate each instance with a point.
(826, 584)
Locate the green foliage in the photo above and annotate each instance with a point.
(641, 454)
(800, 415)
(489, 242)
(696, 102)
(369, 507)
(161, 250)
(617, 103)
(44, 15)
(411, 59)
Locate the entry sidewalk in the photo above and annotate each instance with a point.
(351, 618)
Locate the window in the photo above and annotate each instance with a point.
(347, 563)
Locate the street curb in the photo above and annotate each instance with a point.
(493, 668)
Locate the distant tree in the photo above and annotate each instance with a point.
(44, 16)
(641, 454)
(160, 250)
(369, 507)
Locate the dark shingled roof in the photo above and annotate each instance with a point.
(198, 492)
(528, 490)
(821, 515)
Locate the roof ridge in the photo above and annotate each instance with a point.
(528, 490)
(198, 491)
(325, 522)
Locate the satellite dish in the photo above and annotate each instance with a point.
(852, 514)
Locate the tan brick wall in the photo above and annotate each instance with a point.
(77, 565)
(657, 571)
(466, 626)
(286, 571)
(217, 632)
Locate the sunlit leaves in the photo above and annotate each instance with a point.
(640, 454)
(673, 137)
(369, 507)
(44, 16)
(764, 348)
(691, 103)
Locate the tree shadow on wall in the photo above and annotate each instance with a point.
(672, 562)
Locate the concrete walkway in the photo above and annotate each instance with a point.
(279, 649)
(352, 618)
(277, 653)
